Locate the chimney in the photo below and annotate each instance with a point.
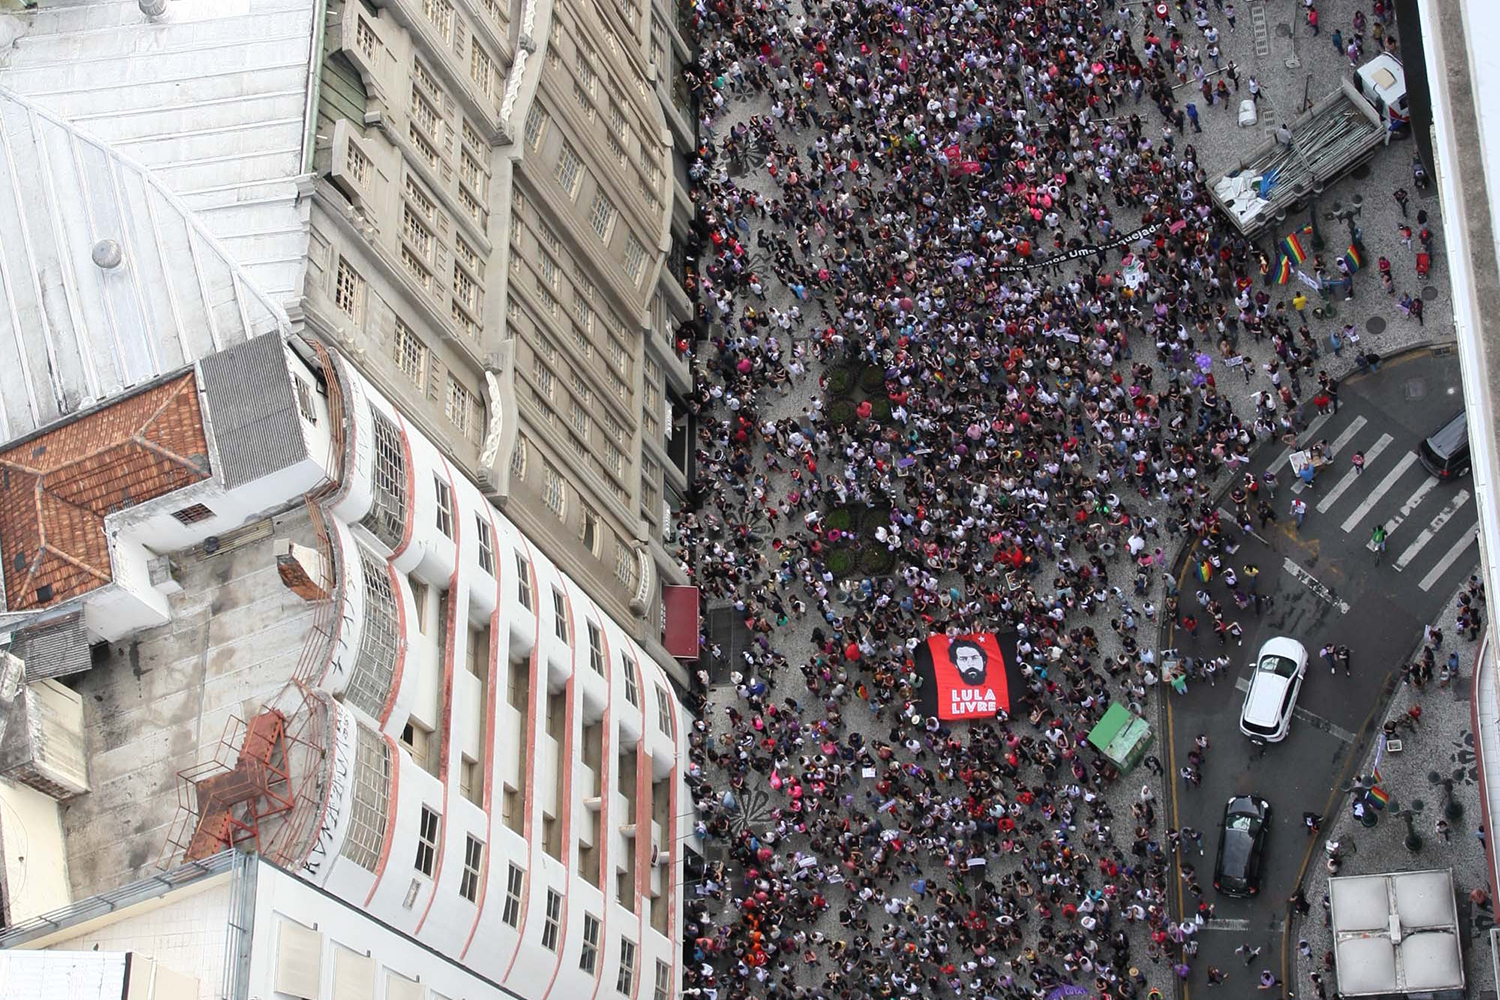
(304, 570)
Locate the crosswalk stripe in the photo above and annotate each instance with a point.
(1373, 497)
(1312, 428)
(1353, 473)
(1338, 443)
(1450, 557)
(1443, 517)
(1412, 503)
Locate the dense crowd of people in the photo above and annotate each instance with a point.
(1033, 443)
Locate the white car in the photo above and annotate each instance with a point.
(1274, 685)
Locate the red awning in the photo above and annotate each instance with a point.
(680, 605)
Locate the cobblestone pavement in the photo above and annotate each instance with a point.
(1263, 42)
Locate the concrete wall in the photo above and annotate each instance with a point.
(36, 863)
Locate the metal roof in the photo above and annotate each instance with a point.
(148, 192)
(1396, 932)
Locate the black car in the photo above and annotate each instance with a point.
(1242, 838)
(1445, 452)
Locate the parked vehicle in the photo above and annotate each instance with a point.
(1274, 685)
(1336, 135)
(1242, 841)
(1445, 452)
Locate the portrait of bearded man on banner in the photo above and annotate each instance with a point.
(967, 676)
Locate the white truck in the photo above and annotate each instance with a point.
(1334, 136)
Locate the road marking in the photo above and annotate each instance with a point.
(1225, 924)
(1311, 583)
(1316, 721)
(1379, 491)
(1349, 477)
(1312, 428)
(1412, 502)
(1450, 557)
(1338, 443)
(1443, 517)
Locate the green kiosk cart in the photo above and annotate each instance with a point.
(1122, 737)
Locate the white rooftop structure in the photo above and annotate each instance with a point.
(131, 245)
(1397, 933)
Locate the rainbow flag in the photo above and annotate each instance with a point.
(1291, 246)
(1284, 271)
(1353, 259)
(1379, 796)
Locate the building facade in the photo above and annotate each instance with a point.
(480, 203)
(462, 744)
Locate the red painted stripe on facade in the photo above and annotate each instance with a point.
(606, 790)
(446, 718)
(674, 925)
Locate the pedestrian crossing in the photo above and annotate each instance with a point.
(1431, 527)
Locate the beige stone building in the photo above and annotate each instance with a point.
(480, 202)
(492, 223)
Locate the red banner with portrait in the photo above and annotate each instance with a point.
(968, 677)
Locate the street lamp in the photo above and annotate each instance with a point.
(1413, 842)
(1317, 234)
(1452, 808)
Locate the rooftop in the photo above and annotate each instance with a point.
(57, 487)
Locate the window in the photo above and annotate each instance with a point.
(581, 96)
(348, 289)
(387, 517)
(411, 354)
(616, 119)
(444, 507)
(615, 147)
(635, 257)
(470, 782)
(569, 169)
(518, 457)
(419, 198)
(469, 256)
(364, 38)
(359, 165)
(625, 981)
(536, 122)
(580, 417)
(192, 515)
(440, 13)
(590, 536)
(417, 739)
(549, 302)
(427, 838)
(665, 721)
(618, 356)
(613, 457)
(587, 78)
(464, 289)
(305, 400)
(417, 235)
(486, 545)
(549, 237)
(546, 382)
(468, 885)
(481, 69)
(471, 172)
(424, 148)
(602, 215)
(415, 268)
(547, 272)
(424, 78)
(663, 981)
(472, 208)
(461, 319)
(523, 581)
(625, 565)
(515, 880)
(365, 842)
(554, 490)
(559, 614)
(588, 958)
(632, 684)
(553, 920)
(424, 114)
(457, 410)
(596, 649)
(584, 314)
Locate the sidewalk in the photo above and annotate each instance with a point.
(1441, 746)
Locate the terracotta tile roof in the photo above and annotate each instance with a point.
(56, 488)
